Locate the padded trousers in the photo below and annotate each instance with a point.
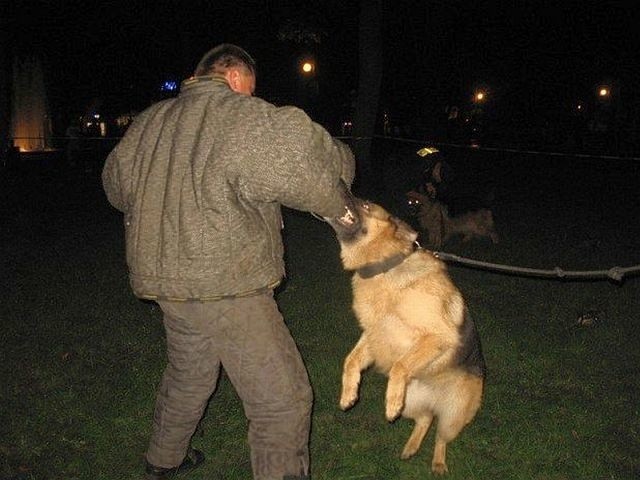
(248, 337)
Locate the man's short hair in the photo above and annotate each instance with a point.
(222, 57)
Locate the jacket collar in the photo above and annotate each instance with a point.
(203, 80)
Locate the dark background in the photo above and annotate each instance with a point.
(536, 59)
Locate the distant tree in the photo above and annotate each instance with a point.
(370, 79)
(5, 90)
(301, 32)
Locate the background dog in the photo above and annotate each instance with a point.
(415, 329)
(434, 220)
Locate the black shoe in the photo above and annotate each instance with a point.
(193, 460)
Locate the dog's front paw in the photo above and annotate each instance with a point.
(394, 408)
(396, 389)
(349, 395)
(348, 398)
(439, 468)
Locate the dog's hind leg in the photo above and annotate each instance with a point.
(460, 409)
(448, 430)
(358, 360)
(439, 464)
(420, 429)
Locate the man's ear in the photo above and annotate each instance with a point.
(233, 77)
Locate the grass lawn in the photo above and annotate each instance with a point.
(81, 357)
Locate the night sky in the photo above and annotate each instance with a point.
(541, 55)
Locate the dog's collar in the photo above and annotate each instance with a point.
(373, 269)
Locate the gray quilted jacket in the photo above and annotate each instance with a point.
(201, 179)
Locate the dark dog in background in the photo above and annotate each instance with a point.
(435, 221)
(416, 330)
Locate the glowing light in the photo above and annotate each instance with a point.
(125, 119)
(479, 96)
(423, 152)
(603, 92)
(30, 122)
(307, 67)
(169, 86)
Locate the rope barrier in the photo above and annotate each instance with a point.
(493, 149)
(614, 273)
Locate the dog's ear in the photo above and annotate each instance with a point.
(403, 230)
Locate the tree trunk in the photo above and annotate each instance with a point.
(5, 89)
(370, 79)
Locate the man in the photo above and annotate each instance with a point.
(201, 179)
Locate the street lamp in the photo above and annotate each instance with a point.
(308, 87)
(604, 91)
(307, 67)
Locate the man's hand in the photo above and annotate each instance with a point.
(351, 217)
(348, 223)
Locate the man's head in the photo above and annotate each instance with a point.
(233, 63)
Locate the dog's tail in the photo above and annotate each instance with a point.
(469, 355)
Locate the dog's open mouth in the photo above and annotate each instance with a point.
(348, 219)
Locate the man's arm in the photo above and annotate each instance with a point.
(299, 165)
(118, 168)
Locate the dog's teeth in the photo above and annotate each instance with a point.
(348, 217)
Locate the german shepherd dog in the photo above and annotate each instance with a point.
(435, 221)
(416, 330)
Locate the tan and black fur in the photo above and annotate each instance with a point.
(435, 221)
(415, 329)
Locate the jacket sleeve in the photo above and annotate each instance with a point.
(118, 168)
(298, 164)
